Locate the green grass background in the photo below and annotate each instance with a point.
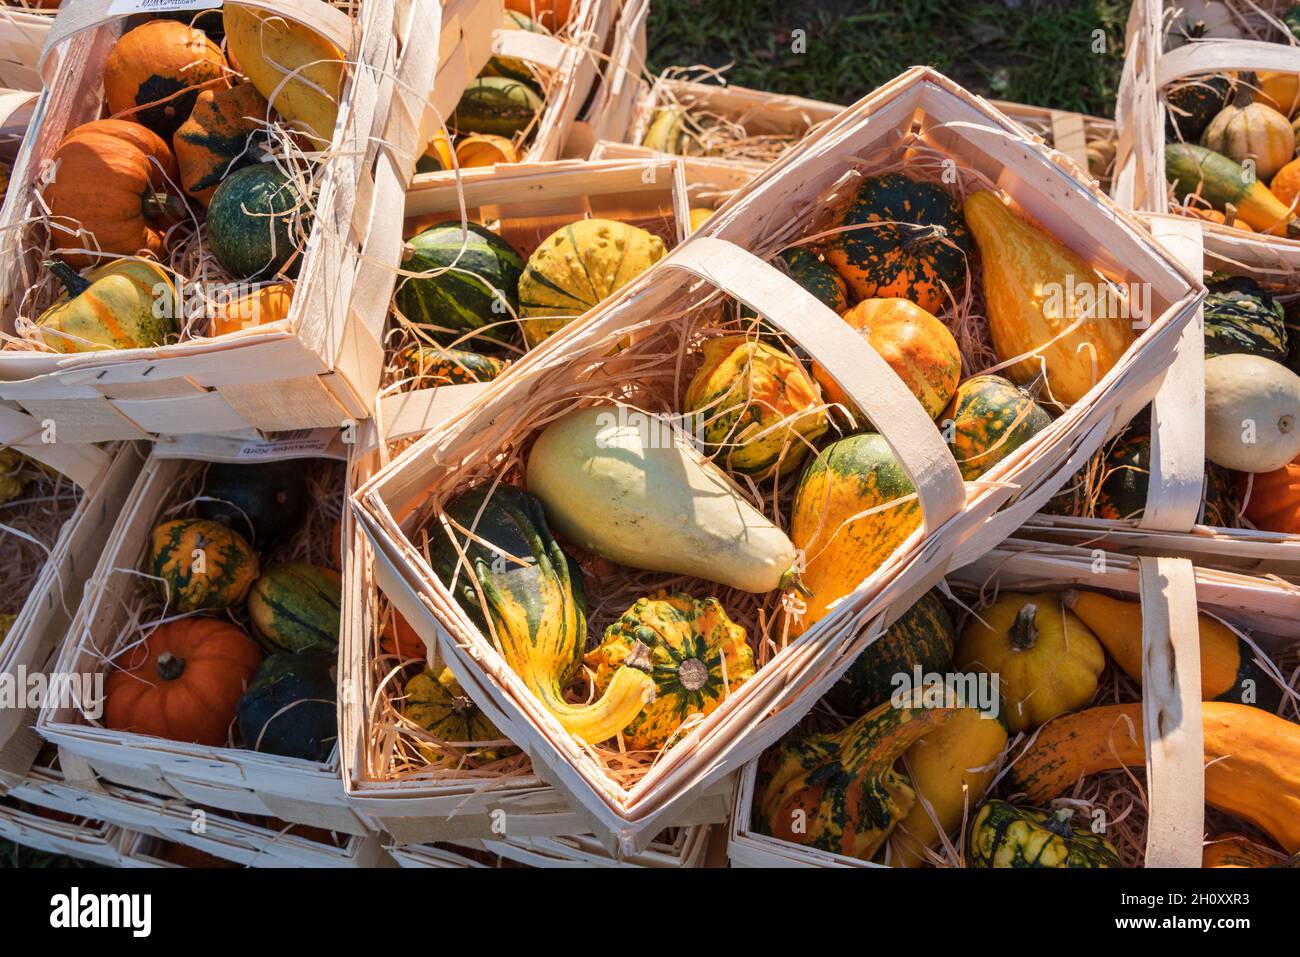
(1029, 51)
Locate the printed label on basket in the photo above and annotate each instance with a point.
(299, 444)
(123, 7)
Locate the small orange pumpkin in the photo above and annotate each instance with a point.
(183, 682)
(1273, 504)
(261, 306)
(552, 14)
(913, 342)
(109, 191)
(154, 74)
(399, 639)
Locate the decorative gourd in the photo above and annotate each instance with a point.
(1250, 131)
(219, 137)
(1236, 850)
(668, 132)
(1285, 184)
(437, 366)
(155, 72)
(1279, 91)
(125, 304)
(111, 191)
(579, 266)
(840, 792)
(182, 682)
(918, 251)
(290, 708)
(617, 482)
(512, 67)
(693, 651)
(265, 502)
(496, 105)
(1201, 20)
(254, 220)
(1034, 289)
(535, 611)
(815, 275)
(1126, 477)
(553, 14)
(1252, 413)
(265, 304)
(399, 639)
(1229, 671)
(1272, 499)
(295, 607)
(834, 521)
(201, 565)
(1241, 317)
(1223, 183)
(1047, 658)
(1251, 760)
(484, 150)
(436, 702)
(479, 295)
(295, 68)
(12, 484)
(437, 155)
(922, 636)
(759, 411)
(951, 768)
(1191, 103)
(987, 420)
(1006, 835)
(699, 216)
(916, 345)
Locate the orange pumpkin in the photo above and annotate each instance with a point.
(1279, 90)
(1286, 183)
(399, 639)
(914, 343)
(154, 74)
(109, 191)
(1273, 504)
(552, 14)
(261, 306)
(183, 682)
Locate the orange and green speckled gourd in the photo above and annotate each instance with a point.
(694, 652)
(760, 408)
(533, 607)
(840, 792)
(1005, 835)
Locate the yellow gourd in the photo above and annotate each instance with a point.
(127, 304)
(951, 767)
(1047, 658)
(263, 305)
(1035, 289)
(1248, 130)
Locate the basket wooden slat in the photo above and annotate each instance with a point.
(320, 366)
(1171, 592)
(762, 219)
(23, 33)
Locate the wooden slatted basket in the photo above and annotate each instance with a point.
(1156, 820)
(659, 315)
(122, 604)
(51, 534)
(1191, 508)
(1244, 36)
(24, 28)
(317, 366)
(86, 840)
(64, 784)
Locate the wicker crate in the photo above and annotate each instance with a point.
(56, 542)
(1152, 67)
(1175, 520)
(118, 603)
(756, 126)
(65, 784)
(23, 32)
(1171, 592)
(961, 522)
(317, 367)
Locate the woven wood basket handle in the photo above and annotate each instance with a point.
(867, 379)
(1176, 483)
(83, 15)
(1171, 713)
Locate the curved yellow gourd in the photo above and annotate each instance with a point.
(127, 304)
(268, 49)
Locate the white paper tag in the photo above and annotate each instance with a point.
(291, 445)
(301, 444)
(124, 7)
